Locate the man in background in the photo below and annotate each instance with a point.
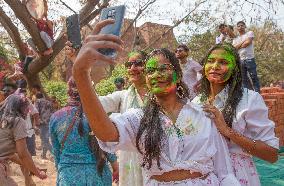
(244, 44)
(119, 83)
(190, 69)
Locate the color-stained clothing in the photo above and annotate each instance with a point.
(76, 164)
(192, 143)
(130, 172)
(8, 137)
(10, 134)
(251, 121)
(45, 110)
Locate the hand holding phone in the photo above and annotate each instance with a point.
(73, 30)
(116, 13)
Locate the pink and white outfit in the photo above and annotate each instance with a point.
(251, 121)
(192, 143)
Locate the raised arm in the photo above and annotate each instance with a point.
(99, 121)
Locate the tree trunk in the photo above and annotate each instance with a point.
(39, 63)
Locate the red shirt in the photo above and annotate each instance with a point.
(42, 26)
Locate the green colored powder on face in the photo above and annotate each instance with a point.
(174, 77)
(224, 55)
(227, 57)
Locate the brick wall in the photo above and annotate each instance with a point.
(274, 99)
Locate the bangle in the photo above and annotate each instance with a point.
(252, 148)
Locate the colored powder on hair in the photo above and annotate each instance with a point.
(132, 54)
(152, 62)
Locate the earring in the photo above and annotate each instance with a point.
(180, 91)
(153, 99)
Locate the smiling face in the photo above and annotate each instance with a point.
(219, 66)
(161, 78)
(135, 71)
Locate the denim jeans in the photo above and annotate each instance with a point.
(31, 144)
(249, 74)
(44, 136)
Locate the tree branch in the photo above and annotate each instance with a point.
(12, 31)
(43, 61)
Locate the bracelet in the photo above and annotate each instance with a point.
(253, 147)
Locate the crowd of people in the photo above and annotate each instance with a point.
(179, 122)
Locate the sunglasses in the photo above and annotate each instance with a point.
(179, 50)
(137, 63)
(164, 68)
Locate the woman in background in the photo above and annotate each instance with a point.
(78, 158)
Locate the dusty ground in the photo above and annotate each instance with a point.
(45, 164)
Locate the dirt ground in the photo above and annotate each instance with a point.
(17, 175)
(44, 164)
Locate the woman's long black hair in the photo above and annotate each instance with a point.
(234, 84)
(74, 100)
(150, 133)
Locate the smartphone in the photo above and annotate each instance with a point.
(73, 30)
(116, 13)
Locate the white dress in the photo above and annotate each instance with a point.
(130, 172)
(193, 143)
(251, 121)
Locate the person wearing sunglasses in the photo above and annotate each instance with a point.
(175, 142)
(130, 172)
(191, 69)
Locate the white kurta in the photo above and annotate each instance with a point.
(251, 121)
(130, 173)
(193, 143)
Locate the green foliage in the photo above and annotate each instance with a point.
(57, 89)
(269, 52)
(106, 86)
(3, 53)
(199, 44)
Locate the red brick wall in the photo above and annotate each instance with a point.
(274, 99)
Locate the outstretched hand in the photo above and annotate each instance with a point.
(89, 54)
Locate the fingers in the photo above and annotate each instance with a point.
(102, 24)
(68, 43)
(211, 111)
(106, 44)
(104, 37)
